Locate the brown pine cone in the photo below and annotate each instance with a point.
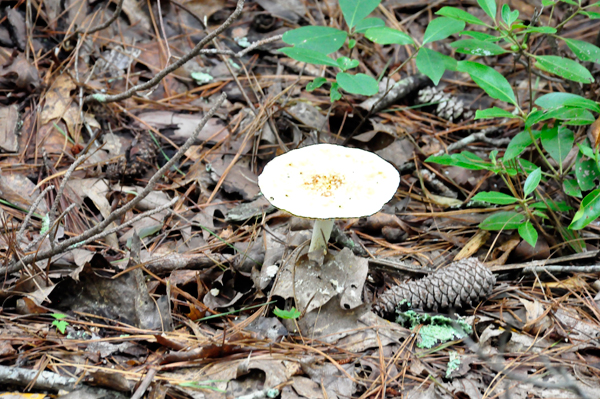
(461, 283)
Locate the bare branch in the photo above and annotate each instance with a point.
(500, 367)
(128, 223)
(28, 259)
(108, 22)
(243, 52)
(104, 98)
(32, 209)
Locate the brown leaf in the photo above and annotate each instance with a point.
(594, 134)
(9, 124)
(537, 317)
(58, 98)
(473, 245)
(20, 74)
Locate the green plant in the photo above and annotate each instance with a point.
(293, 313)
(545, 120)
(59, 323)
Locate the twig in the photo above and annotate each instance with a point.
(479, 136)
(243, 52)
(542, 263)
(45, 380)
(108, 22)
(28, 259)
(127, 223)
(62, 186)
(144, 385)
(104, 98)
(32, 209)
(562, 269)
(52, 227)
(498, 367)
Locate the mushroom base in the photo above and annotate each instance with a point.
(321, 233)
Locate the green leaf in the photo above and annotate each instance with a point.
(495, 197)
(444, 159)
(441, 28)
(432, 64)
(346, 63)
(293, 313)
(590, 14)
(357, 84)
(477, 47)
(557, 100)
(490, 80)
(310, 56)
(465, 159)
(586, 173)
(583, 50)
(525, 166)
(494, 112)
(557, 141)
(560, 206)
(570, 116)
(355, 10)
(508, 16)
(322, 39)
(538, 29)
(334, 92)
(460, 15)
(502, 221)
(368, 23)
(564, 68)
(481, 36)
(351, 43)
(572, 188)
(385, 35)
(588, 211)
(489, 6)
(60, 325)
(518, 144)
(316, 83)
(58, 316)
(586, 150)
(528, 233)
(532, 181)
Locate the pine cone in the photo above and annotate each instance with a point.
(448, 107)
(460, 283)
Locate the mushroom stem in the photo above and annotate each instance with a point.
(321, 233)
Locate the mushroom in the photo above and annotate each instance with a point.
(326, 182)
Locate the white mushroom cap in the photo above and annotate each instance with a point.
(326, 181)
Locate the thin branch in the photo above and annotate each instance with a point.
(28, 259)
(107, 23)
(52, 227)
(243, 52)
(128, 223)
(104, 98)
(32, 209)
(479, 136)
(499, 367)
(61, 189)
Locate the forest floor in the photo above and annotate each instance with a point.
(184, 302)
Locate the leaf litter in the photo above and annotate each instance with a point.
(181, 303)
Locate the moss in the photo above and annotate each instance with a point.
(453, 363)
(435, 330)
